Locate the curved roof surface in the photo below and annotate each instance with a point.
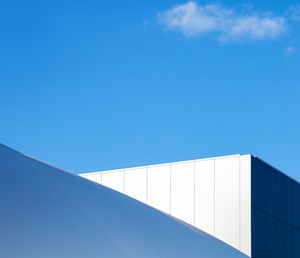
(48, 212)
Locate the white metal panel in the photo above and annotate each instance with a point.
(96, 177)
(114, 179)
(204, 195)
(136, 183)
(212, 194)
(227, 198)
(182, 191)
(245, 202)
(159, 187)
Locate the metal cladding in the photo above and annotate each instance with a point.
(275, 212)
(48, 212)
(238, 199)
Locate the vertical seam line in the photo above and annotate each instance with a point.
(124, 180)
(147, 185)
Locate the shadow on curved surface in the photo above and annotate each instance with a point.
(48, 212)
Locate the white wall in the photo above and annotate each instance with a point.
(159, 190)
(183, 191)
(205, 195)
(213, 194)
(227, 196)
(245, 204)
(136, 183)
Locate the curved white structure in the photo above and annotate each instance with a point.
(48, 212)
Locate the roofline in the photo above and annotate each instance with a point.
(279, 171)
(165, 163)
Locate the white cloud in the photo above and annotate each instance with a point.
(295, 12)
(256, 27)
(289, 50)
(193, 19)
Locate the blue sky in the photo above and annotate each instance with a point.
(93, 85)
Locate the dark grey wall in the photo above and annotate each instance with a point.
(275, 213)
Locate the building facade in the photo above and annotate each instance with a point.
(238, 199)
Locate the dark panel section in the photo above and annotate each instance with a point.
(275, 222)
(254, 232)
(260, 185)
(270, 191)
(288, 201)
(296, 243)
(288, 241)
(259, 236)
(280, 196)
(296, 206)
(280, 239)
(271, 238)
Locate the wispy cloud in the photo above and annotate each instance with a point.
(294, 11)
(193, 19)
(289, 50)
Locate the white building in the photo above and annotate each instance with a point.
(238, 199)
